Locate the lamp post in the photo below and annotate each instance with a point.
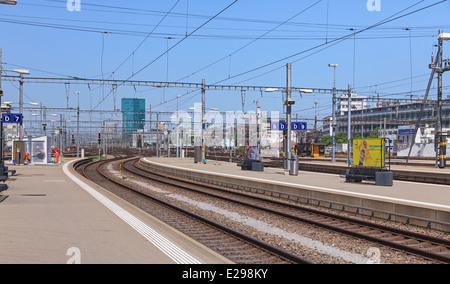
(258, 122)
(21, 73)
(315, 121)
(78, 124)
(21, 103)
(289, 102)
(178, 134)
(44, 120)
(203, 121)
(8, 2)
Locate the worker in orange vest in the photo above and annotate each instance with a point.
(56, 155)
(26, 157)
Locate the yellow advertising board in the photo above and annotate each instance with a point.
(369, 152)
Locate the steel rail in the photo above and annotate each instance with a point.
(255, 242)
(353, 227)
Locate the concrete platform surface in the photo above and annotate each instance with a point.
(48, 215)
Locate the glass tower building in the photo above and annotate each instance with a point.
(133, 117)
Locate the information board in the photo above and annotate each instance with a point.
(12, 118)
(369, 152)
(295, 126)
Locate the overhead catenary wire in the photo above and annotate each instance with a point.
(312, 28)
(253, 41)
(243, 47)
(330, 28)
(143, 41)
(172, 47)
(389, 19)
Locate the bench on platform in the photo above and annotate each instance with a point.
(252, 165)
(381, 177)
(3, 187)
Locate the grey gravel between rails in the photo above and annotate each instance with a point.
(307, 241)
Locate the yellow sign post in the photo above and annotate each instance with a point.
(369, 152)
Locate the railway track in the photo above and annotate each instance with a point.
(236, 246)
(414, 243)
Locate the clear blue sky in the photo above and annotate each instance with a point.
(44, 35)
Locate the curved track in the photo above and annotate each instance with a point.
(414, 243)
(236, 246)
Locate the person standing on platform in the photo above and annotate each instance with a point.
(56, 155)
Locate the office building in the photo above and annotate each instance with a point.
(133, 117)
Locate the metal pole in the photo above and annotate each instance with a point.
(439, 137)
(150, 130)
(1, 121)
(158, 154)
(44, 124)
(333, 122)
(178, 150)
(61, 147)
(315, 122)
(288, 114)
(203, 117)
(349, 126)
(1, 69)
(78, 125)
(258, 131)
(21, 105)
(362, 119)
(99, 145)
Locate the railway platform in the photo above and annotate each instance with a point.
(408, 202)
(51, 216)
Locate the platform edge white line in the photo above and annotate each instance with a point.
(173, 251)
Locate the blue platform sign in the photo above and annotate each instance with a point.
(12, 118)
(278, 126)
(299, 126)
(295, 126)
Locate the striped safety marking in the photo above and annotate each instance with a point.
(173, 251)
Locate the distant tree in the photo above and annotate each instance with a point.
(327, 140)
(341, 138)
(374, 133)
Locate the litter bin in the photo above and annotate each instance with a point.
(198, 154)
(294, 166)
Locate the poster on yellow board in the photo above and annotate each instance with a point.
(368, 152)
